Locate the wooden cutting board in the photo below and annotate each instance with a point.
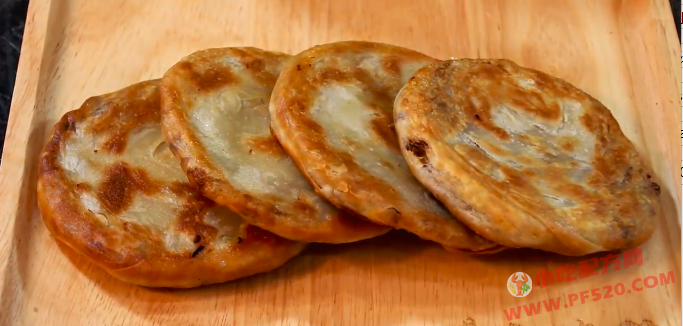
(625, 53)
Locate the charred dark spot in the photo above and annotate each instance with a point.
(627, 175)
(71, 123)
(625, 232)
(392, 65)
(197, 251)
(649, 176)
(116, 144)
(120, 185)
(182, 189)
(298, 67)
(567, 144)
(442, 106)
(190, 219)
(477, 145)
(384, 128)
(591, 122)
(82, 187)
(198, 177)
(239, 239)
(440, 72)
(254, 64)
(248, 198)
(395, 210)
(428, 167)
(210, 79)
(304, 208)
(656, 188)
(267, 145)
(95, 151)
(477, 117)
(418, 148)
(253, 234)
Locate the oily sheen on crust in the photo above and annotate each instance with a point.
(525, 159)
(215, 115)
(331, 110)
(109, 188)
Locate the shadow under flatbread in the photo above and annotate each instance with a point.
(387, 249)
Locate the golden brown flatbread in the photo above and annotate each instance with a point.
(525, 159)
(331, 110)
(215, 116)
(109, 188)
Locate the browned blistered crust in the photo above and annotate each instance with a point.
(525, 159)
(204, 74)
(112, 246)
(301, 83)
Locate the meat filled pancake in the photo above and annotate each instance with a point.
(216, 119)
(525, 159)
(331, 110)
(110, 188)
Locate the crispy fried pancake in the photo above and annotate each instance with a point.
(331, 110)
(215, 116)
(110, 188)
(525, 159)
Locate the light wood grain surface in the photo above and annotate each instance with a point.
(625, 53)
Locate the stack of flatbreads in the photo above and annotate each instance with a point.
(238, 158)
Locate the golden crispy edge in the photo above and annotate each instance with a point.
(186, 273)
(567, 243)
(434, 179)
(280, 100)
(70, 224)
(202, 173)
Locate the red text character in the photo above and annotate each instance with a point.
(559, 272)
(666, 279)
(544, 278)
(584, 296)
(587, 267)
(572, 298)
(610, 259)
(635, 286)
(569, 271)
(633, 257)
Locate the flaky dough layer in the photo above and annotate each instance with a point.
(215, 116)
(110, 188)
(525, 159)
(331, 110)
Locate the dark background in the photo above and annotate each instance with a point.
(12, 20)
